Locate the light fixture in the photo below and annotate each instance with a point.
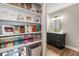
(57, 18)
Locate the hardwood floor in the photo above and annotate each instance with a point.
(53, 51)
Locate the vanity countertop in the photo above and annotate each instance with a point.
(57, 32)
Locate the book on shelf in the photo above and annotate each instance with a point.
(38, 27)
(26, 28)
(22, 29)
(16, 29)
(33, 28)
(10, 43)
(29, 28)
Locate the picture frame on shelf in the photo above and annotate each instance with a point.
(37, 19)
(20, 17)
(7, 30)
(29, 18)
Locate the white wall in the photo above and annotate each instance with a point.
(52, 7)
(70, 24)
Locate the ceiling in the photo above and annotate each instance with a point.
(53, 7)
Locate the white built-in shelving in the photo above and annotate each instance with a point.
(22, 10)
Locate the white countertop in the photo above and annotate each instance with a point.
(57, 32)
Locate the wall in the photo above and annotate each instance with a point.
(70, 24)
(52, 7)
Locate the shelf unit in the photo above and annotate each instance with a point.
(18, 46)
(24, 10)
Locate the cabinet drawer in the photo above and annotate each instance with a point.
(57, 40)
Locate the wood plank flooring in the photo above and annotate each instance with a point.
(53, 51)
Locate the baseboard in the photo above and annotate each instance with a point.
(73, 48)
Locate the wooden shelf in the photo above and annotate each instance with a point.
(19, 8)
(18, 46)
(19, 34)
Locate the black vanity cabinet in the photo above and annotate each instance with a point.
(57, 40)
